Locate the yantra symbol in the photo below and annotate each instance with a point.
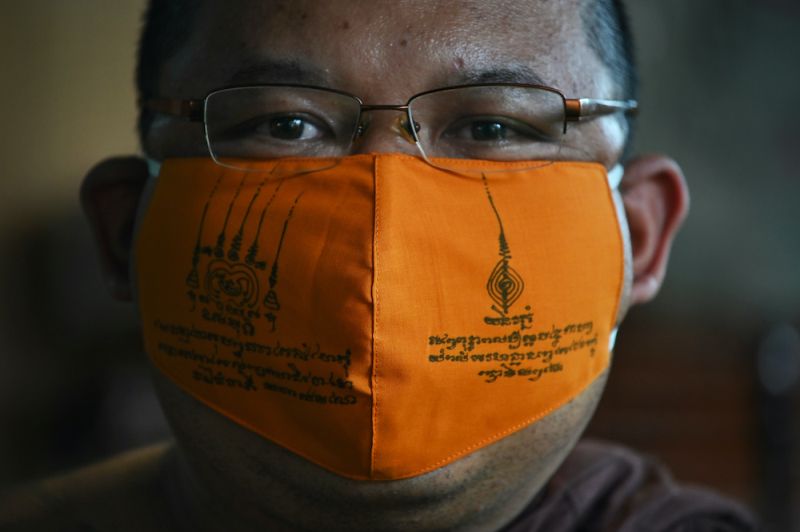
(505, 284)
(232, 282)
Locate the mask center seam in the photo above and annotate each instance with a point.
(375, 313)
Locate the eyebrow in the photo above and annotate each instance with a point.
(303, 73)
(278, 71)
(513, 74)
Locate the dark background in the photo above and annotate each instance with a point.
(705, 378)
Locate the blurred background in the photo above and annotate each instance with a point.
(706, 378)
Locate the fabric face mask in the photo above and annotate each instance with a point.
(374, 314)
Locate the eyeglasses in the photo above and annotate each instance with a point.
(503, 122)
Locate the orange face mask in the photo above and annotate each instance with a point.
(374, 314)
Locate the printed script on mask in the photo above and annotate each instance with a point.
(222, 360)
(521, 354)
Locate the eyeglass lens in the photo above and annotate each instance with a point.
(493, 122)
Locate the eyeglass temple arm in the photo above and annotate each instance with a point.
(577, 109)
(191, 110)
(582, 108)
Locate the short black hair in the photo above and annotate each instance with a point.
(609, 35)
(167, 25)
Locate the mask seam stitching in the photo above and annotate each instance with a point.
(375, 313)
(480, 444)
(502, 434)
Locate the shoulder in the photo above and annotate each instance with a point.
(121, 493)
(603, 487)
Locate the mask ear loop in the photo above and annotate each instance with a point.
(153, 167)
(612, 339)
(153, 171)
(614, 177)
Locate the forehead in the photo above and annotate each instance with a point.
(385, 51)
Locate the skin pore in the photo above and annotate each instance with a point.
(224, 477)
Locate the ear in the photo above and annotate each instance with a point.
(110, 195)
(656, 202)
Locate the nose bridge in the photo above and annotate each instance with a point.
(384, 132)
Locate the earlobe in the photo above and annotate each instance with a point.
(656, 202)
(110, 195)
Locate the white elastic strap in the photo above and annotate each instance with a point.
(615, 176)
(612, 339)
(153, 167)
(614, 179)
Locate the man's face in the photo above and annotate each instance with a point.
(384, 52)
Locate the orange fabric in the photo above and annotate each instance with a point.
(374, 314)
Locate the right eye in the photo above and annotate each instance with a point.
(277, 128)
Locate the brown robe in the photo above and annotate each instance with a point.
(604, 488)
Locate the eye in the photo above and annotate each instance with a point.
(275, 128)
(499, 129)
(486, 130)
(292, 128)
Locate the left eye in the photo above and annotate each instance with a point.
(494, 129)
(291, 128)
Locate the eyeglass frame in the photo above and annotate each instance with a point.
(575, 109)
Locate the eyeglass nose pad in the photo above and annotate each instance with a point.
(362, 128)
(402, 127)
